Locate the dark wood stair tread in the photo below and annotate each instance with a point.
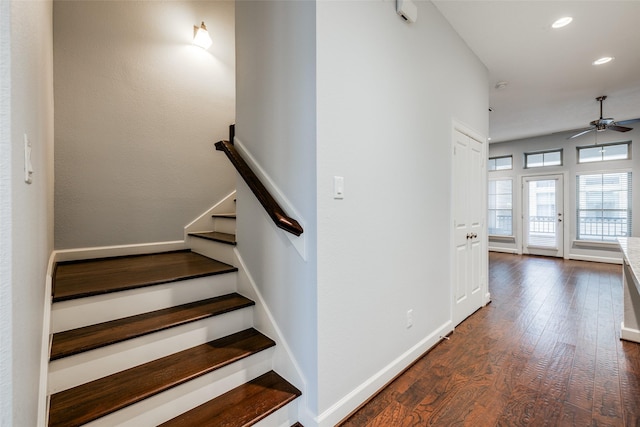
(79, 279)
(103, 396)
(243, 406)
(75, 341)
(224, 215)
(216, 236)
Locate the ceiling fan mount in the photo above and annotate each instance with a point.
(602, 123)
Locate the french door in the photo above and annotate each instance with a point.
(543, 231)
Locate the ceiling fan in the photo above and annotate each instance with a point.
(602, 123)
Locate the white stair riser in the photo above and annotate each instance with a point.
(212, 249)
(81, 312)
(173, 402)
(225, 225)
(283, 417)
(90, 365)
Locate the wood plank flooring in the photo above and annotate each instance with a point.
(79, 279)
(90, 401)
(216, 236)
(545, 352)
(242, 406)
(87, 338)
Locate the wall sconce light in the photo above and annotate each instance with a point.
(201, 36)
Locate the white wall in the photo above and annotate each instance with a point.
(138, 108)
(387, 94)
(5, 216)
(570, 169)
(349, 89)
(28, 211)
(276, 124)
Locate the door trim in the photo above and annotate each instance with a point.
(561, 250)
(486, 297)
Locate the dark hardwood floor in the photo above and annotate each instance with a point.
(545, 352)
(78, 279)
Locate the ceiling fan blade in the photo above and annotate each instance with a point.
(582, 133)
(627, 122)
(619, 128)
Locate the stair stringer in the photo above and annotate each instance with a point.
(47, 323)
(205, 222)
(45, 349)
(283, 360)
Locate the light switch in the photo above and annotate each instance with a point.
(338, 187)
(28, 168)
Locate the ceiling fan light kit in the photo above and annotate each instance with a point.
(602, 124)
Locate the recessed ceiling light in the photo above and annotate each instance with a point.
(602, 60)
(562, 22)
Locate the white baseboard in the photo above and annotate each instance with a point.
(284, 362)
(628, 334)
(487, 298)
(505, 250)
(118, 250)
(345, 406)
(45, 349)
(608, 260)
(205, 222)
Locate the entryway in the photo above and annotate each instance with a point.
(543, 231)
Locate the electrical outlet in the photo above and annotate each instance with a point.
(409, 318)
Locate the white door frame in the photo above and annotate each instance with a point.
(486, 297)
(561, 230)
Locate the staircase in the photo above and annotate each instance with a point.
(162, 339)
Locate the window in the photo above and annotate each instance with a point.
(500, 207)
(603, 206)
(604, 152)
(500, 163)
(543, 158)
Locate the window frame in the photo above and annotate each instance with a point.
(510, 179)
(629, 210)
(543, 152)
(608, 144)
(509, 156)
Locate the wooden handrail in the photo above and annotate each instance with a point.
(277, 214)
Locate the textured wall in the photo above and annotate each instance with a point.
(276, 124)
(388, 93)
(138, 108)
(31, 205)
(5, 215)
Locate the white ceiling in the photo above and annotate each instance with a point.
(552, 84)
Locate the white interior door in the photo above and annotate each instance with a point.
(543, 221)
(469, 180)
